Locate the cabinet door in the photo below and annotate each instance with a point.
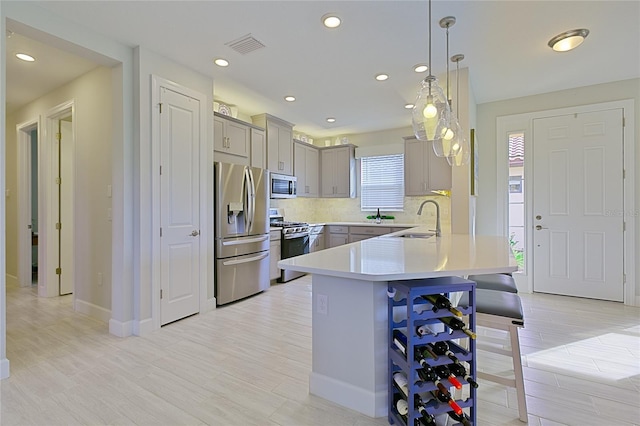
(285, 149)
(439, 172)
(237, 139)
(312, 166)
(338, 240)
(414, 167)
(273, 136)
(343, 172)
(218, 134)
(274, 258)
(258, 149)
(327, 178)
(300, 168)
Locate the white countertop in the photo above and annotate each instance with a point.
(387, 258)
(387, 223)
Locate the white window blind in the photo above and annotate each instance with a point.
(382, 183)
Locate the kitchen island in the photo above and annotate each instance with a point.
(349, 303)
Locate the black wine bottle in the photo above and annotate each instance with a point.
(446, 398)
(459, 370)
(442, 348)
(428, 375)
(401, 404)
(440, 302)
(427, 418)
(443, 372)
(456, 324)
(400, 341)
(462, 418)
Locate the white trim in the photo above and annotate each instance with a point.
(23, 133)
(4, 368)
(208, 305)
(120, 329)
(143, 328)
(379, 150)
(524, 122)
(94, 311)
(156, 84)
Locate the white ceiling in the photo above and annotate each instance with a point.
(331, 72)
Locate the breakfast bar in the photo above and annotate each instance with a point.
(349, 303)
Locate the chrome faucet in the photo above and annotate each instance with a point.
(438, 230)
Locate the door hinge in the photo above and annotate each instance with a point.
(59, 136)
(160, 169)
(58, 225)
(160, 293)
(160, 105)
(624, 174)
(624, 278)
(624, 121)
(624, 226)
(161, 232)
(58, 181)
(58, 271)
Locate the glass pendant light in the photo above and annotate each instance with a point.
(463, 155)
(446, 143)
(430, 103)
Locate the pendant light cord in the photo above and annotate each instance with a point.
(448, 97)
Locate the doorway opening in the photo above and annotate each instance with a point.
(28, 221)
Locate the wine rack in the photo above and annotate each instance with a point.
(411, 311)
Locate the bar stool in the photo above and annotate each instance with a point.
(500, 282)
(503, 311)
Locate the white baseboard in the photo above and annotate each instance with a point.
(120, 329)
(11, 280)
(637, 301)
(94, 311)
(208, 306)
(143, 328)
(347, 395)
(4, 368)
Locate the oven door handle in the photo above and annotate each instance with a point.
(294, 236)
(246, 260)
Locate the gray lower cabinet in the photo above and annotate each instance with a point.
(274, 254)
(359, 233)
(316, 238)
(338, 235)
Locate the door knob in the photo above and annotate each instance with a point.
(538, 217)
(194, 233)
(539, 227)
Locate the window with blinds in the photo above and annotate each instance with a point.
(382, 183)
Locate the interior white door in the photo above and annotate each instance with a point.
(180, 205)
(65, 188)
(578, 205)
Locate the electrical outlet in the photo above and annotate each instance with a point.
(321, 304)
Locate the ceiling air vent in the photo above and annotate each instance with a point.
(245, 44)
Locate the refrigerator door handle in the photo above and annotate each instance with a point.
(246, 260)
(248, 199)
(246, 240)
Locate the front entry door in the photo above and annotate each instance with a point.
(578, 205)
(180, 205)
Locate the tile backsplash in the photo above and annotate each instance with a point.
(322, 210)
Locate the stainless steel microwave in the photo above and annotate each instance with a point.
(283, 186)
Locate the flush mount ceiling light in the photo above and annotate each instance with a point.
(420, 68)
(289, 98)
(25, 57)
(382, 77)
(330, 20)
(568, 40)
(331, 120)
(221, 62)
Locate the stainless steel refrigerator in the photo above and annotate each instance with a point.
(241, 209)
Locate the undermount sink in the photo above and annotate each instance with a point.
(415, 235)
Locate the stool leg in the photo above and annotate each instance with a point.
(517, 368)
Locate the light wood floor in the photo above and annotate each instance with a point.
(249, 363)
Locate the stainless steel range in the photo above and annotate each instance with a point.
(294, 242)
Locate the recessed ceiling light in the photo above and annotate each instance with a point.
(568, 40)
(382, 77)
(331, 120)
(289, 98)
(409, 106)
(420, 68)
(330, 20)
(221, 62)
(25, 57)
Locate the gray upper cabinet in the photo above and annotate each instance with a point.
(231, 137)
(306, 162)
(279, 143)
(423, 170)
(338, 172)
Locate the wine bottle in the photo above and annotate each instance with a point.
(378, 217)
(428, 375)
(459, 370)
(442, 348)
(400, 340)
(401, 382)
(446, 397)
(423, 330)
(427, 418)
(456, 324)
(462, 418)
(401, 404)
(443, 372)
(440, 302)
